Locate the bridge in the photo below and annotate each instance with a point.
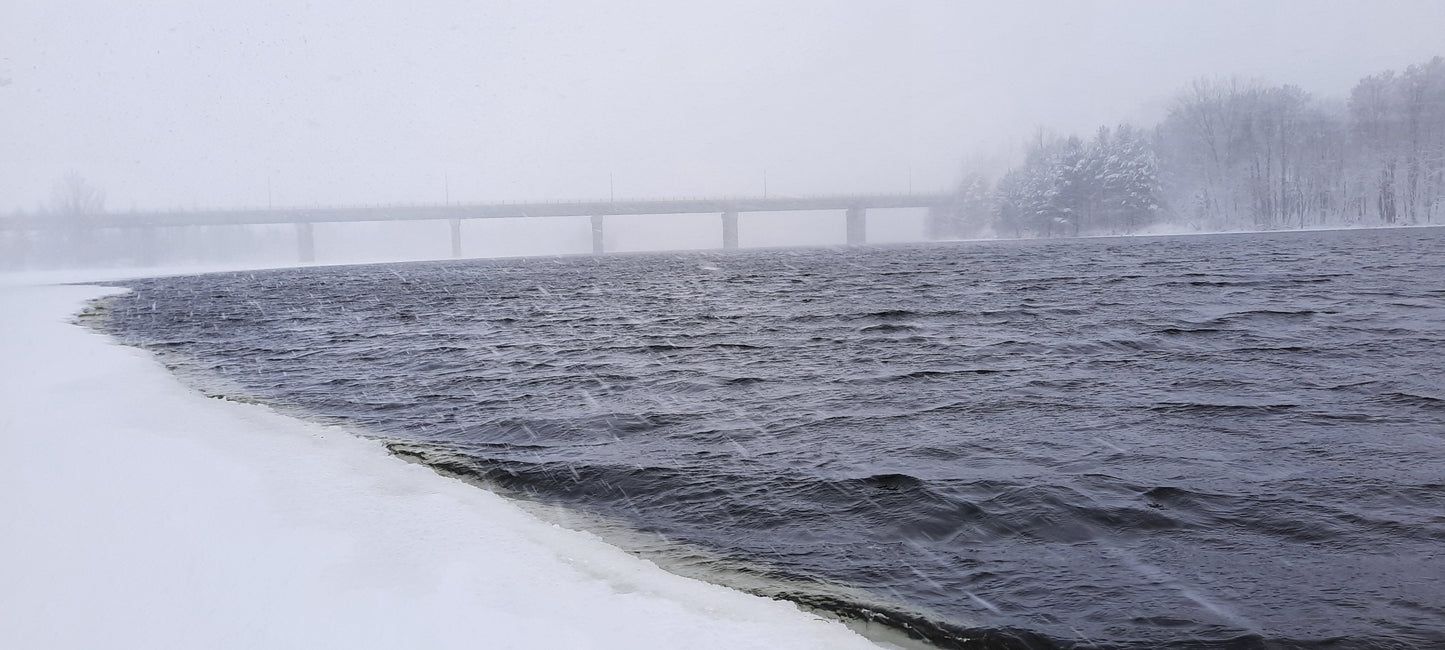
(855, 208)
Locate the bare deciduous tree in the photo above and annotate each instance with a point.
(75, 201)
(73, 196)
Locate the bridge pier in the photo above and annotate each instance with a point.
(597, 246)
(456, 237)
(147, 248)
(857, 226)
(305, 243)
(730, 230)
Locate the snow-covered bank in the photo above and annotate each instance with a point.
(135, 512)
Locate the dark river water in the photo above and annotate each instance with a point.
(1211, 441)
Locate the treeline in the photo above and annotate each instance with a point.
(77, 244)
(1230, 155)
(72, 239)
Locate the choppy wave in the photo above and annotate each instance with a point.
(1200, 442)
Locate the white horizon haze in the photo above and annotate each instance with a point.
(212, 105)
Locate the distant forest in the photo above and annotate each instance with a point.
(1230, 155)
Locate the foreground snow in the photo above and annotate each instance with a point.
(135, 512)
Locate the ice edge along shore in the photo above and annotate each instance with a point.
(139, 513)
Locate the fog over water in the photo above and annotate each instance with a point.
(186, 105)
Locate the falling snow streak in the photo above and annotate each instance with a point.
(1189, 442)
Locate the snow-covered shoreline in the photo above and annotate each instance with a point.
(138, 513)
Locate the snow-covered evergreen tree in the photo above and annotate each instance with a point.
(971, 214)
(1069, 188)
(1131, 180)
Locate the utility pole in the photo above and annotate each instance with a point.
(447, 188)
(611, 189)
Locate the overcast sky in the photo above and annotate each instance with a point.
(223, 104)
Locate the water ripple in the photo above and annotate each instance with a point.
(1230, 441)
